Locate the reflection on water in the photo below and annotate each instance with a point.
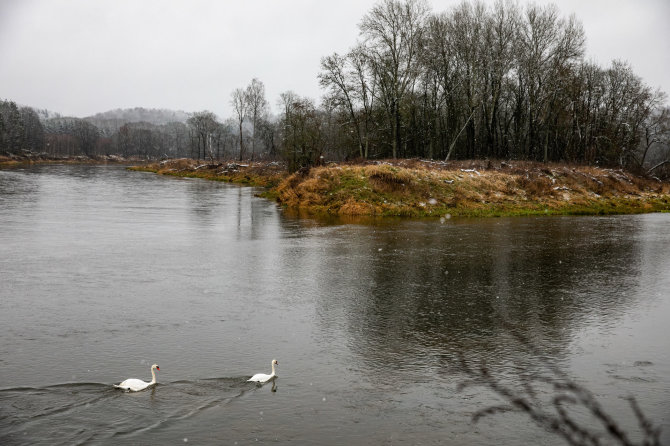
(106, 271)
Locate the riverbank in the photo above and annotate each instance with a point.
(43, 158)
(421, 188)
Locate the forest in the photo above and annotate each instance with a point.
(473, 82)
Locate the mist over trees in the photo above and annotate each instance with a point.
(499, 81)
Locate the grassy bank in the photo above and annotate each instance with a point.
(416, 188)
(267, 175)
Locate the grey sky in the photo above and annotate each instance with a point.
(80, 57)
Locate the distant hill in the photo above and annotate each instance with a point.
(45, 114)
(110, 121)
(139, 114)
(59, 124)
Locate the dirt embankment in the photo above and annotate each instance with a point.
(419, 188)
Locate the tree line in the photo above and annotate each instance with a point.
(482, 81)
(476, 81)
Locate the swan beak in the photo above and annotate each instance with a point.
(158, 368)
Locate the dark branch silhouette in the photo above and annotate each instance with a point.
(560, 415)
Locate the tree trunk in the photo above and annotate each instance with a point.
(253, 140)
(241, 146)
(395, 124)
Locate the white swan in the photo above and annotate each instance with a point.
(135, 385)
(262, 377)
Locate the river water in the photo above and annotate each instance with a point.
(104, 272)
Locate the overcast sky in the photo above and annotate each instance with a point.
(80, 57)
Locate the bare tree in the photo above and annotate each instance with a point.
(392, 33)
(548, 46)
(347, 79)
(177, 134)
(87, 135)
(468, 28)
(204, 125)
(439, 81)
(33, 130)
(267, 130)
(239, 103)
(256, 108)
(286, 101)
(499, 44)
(333, 76)
(302, 137)
(656, 139)
(364, 91)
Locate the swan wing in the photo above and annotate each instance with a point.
(260, 377)
(133, 385)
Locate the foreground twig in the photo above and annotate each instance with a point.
(560, 415)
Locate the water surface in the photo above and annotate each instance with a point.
(104, 272)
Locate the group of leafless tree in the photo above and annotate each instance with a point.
(476, 81)
(250, 104)
(498, 82)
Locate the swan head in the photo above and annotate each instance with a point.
(274, 362)
(155, 366)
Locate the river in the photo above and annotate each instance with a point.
(105, 271)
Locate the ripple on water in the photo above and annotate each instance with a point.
(106, 271)
(77, 412)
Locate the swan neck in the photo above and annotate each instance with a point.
(273, 368)
(153, 376)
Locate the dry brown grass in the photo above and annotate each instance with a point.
(306, 189)
(420, 188)
(535, 184)
(254, 174)
(356, 208)
(7, 161)
(178, 165)
(386, 178)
